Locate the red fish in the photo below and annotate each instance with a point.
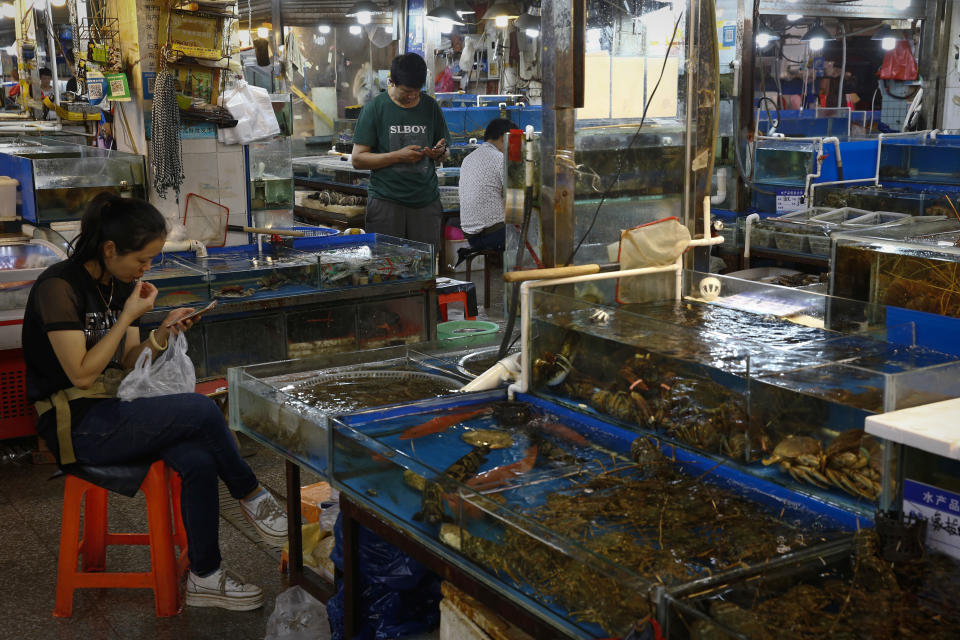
(564, 432)
(500, 475)
(440, 423)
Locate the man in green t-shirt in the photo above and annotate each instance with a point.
(399, 136)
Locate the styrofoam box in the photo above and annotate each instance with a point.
(451, 257)
(8, 197)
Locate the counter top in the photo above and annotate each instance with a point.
(930, 427)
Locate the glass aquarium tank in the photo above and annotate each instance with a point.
(873, 198)
(926, 161)
(178, 284)
(335, 169)
(810, 231)
(581, 523)
(58, 179)
(370, 258)
(271, 176)
(249, 272)
(761, 376)
(288, 404)
(640, 175)
(783, 162)
(20, 265)
(853, 590)
(915, 267)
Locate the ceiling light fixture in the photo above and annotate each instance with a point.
(816, 36)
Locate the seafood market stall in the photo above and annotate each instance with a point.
(287, 405)
(58, 179)
(323, 295)
(575, 503)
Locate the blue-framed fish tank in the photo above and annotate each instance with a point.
(782, 166)
(582, 522)
(913, 272)
(178, 284)
(287, 404)
(58, 179)
(252, 272)
(833, 122)
(846, 590)
(929, 161)
(774, 380)
(367, 259)
(884, 198)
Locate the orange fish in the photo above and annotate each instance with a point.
(491, 480)
(440, 423)
(564, 432)
(500, 475)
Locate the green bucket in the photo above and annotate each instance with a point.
(468, 332)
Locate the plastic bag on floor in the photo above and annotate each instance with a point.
(398, 595)
(172, 372)
(298, 616)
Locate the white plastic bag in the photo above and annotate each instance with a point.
(173, 372)
(253, 110)
(298, 616)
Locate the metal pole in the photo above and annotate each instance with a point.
(563, 33)
(276, 81)
(52, 52)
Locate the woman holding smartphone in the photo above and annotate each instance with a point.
(80, 331)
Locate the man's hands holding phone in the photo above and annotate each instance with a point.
(438, 151)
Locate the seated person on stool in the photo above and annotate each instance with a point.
(80, 328)
(481, 190)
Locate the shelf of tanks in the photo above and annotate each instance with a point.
(319, 295)
(700, 461)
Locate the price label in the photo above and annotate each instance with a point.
(940, 508)
(789, 200)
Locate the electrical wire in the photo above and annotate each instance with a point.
(636, 136)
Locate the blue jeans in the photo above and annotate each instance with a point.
(495, 240)
(186, 431)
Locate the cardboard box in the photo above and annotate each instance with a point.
(312, 497)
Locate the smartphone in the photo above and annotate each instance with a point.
(195, 313)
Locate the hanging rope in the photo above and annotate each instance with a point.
(165, 152)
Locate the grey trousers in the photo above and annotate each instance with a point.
(393, 219)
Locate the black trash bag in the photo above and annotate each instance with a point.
(398, 595)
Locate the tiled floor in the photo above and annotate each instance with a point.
(30, 510)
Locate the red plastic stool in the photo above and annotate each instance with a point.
(447, 298)
(162, 490)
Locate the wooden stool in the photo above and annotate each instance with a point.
(490, 258)
(161, 488)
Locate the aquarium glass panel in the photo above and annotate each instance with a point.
(777, 379)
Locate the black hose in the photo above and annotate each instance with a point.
(515, 294)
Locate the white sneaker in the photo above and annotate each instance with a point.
(224, 589)
(267, 516)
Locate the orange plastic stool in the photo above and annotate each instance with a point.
(447, 298)
(162, 490)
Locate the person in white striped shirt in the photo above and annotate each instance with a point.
(481, 190)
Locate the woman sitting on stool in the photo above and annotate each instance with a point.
(80, 330)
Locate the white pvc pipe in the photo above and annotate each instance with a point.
(753, 217)
(721, 194)
(813, 187)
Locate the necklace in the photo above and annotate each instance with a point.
(106, 303)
